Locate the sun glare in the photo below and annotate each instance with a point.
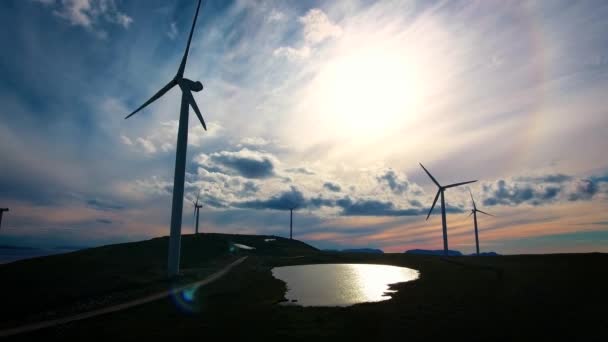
(368, 92)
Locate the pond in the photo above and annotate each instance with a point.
(340, 284)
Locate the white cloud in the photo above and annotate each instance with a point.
(88, 13)
(318, 27)
(172, 33)
(292, 53)
(146, 145)
(125, 140)
(276, 16)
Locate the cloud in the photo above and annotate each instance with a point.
(540, 190)
(172, 33)
(275, 16)
(292, 53)
(104, 221)
(396, 185)
(300, 170)
(332, 186)
(145, 144)
(283, 201)
(88, 13)
(583, 189)
(318, 27)
(246, 163)
(552, 178)
(103, 205)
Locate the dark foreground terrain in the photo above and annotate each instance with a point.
(529, 297)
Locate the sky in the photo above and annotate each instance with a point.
(329, 106)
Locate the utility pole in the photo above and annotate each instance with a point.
(2, 210)
(291, 223)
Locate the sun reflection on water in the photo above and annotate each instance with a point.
(341, 284)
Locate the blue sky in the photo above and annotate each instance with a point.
(327, 105)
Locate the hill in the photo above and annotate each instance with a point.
(433, 252)
(89, 278)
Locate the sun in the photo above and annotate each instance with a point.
(367, 92)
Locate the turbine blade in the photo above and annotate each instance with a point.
(188, 94)
(198, 196)
(160, 93)
(483, 212)
(182, 66)
(471, 213)
(457, 184)
(428, 173)
(433, 206)
(474, 207)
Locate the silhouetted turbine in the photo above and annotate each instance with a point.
(2, 210)
(186, 86)
(291, 222)
(440, 191)
(474, 212)
(197, 209)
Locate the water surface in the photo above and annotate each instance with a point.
(341, 284)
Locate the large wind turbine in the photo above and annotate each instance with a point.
(474, 212)
(2, 210)
(186, 86)
(440, 191)
(197, 209)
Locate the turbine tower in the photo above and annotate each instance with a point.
(197, 209)
(2, 210)
(291, 223)
(441, 189)
(474, 212)
(186, 86)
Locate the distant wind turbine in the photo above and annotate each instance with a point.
(291, 222)
(441, 191)
(474, 212)
(186, 86)
(197, 209)
(2, 210)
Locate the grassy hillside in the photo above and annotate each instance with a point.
(44, 287)
(505, 298)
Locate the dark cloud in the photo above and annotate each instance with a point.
(415, 203)
(509, 194)
(249, 188)
(104, 221)
(370, 207)
(246, 163)
(317, 202)
(332, 187)
(554, 178)
(103, 205)
(600, 179)
(283, 201)
(584, 189)
(539, 190)
(392, 180)
(301, 170)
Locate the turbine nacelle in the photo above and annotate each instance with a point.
(191, 85)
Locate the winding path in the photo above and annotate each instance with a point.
(54, 322)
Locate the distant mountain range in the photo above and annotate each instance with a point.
(450, 252)
(363, 250)
(357, 250)
(432, 252)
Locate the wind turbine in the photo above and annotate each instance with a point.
(197, 209)
(291, 222)
(2, 210)
(441, 189)
(186, 86)
(474, 212)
